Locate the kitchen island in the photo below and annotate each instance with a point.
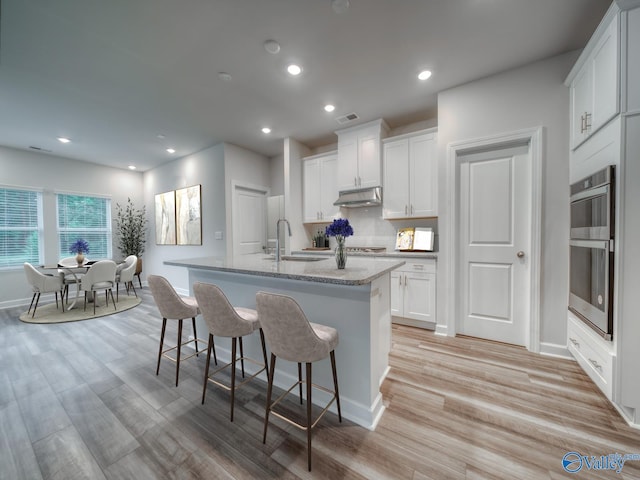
(355, 301)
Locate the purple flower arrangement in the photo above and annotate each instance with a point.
(79, 246)
(339, 228)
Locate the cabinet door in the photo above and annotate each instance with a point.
(396, 179)
(605, 78)
(369, 165)
(328, 188)
(423, 167)
(397, 302)
(311, 194)
(581, 104)
(419, 296)
(347, 162)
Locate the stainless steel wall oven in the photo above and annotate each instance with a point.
(591, 250)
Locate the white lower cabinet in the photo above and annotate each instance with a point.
(413, 293)
(593, 353)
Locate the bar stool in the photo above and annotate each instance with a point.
(225, 320)
(292, 337)
(174, 307)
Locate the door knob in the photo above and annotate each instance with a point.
(520, 254)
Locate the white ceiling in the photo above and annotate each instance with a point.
(113, 75)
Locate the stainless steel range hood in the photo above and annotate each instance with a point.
(363, 197)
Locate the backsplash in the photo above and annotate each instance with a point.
(370, 230)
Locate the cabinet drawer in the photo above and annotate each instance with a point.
(426, 266)
(593, 356)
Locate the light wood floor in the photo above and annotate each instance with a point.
(81, 400)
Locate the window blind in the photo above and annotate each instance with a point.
(20, 227)
(85, 217)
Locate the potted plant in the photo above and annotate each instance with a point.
(79, 247)
(131, 229)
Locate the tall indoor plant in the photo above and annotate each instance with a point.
(131, 229)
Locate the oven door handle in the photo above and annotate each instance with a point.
(591, 192)
(599, 244)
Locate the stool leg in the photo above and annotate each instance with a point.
(233, 373)
(179, 346)
(206, 368)
(241, 356)
(264, 354)
(164, 327)
(300, 380)
(309, 415)
(335, 382)
(272, 368)
(195, 334)
(215, 358)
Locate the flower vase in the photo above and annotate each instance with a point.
(80, 258)
(341, 253)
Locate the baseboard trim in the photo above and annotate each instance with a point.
(555, 350)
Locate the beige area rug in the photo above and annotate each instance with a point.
(48, 313)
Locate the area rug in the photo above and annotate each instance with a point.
(48, 313)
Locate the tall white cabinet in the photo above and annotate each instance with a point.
(410, 176)
(605, 129)
(320, 188)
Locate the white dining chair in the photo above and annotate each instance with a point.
(125, 273)
(72, 273)
(101, 276)
(41, 283)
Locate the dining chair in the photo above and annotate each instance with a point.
(41, 283)
(72, 273)
(101, 276)
(125, 273)
(292, 337)
(175, 307)
(225, 320)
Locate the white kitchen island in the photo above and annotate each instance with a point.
(355, 301)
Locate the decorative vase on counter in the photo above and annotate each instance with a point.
(80, 258)
(341, 252)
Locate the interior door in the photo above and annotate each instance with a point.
(495, 223)
(250, 212)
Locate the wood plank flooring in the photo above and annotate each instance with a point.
(81, 400)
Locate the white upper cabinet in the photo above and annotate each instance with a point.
(410, 176)
(359, 162)
(594, 88)
(320, 191)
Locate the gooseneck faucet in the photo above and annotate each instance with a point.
(278, 235)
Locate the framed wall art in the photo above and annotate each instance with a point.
(188, 224)
(166, 218)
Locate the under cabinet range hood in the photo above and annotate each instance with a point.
(362, 197)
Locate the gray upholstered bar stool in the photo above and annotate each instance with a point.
(292, 337)
(225, 320)
(174, 307)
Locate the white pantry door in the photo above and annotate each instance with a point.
(495, 227)
(250, 212)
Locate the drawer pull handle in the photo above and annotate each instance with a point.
(595, 364)
(575, 342)
(418, 267)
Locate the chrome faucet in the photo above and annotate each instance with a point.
(278, 236)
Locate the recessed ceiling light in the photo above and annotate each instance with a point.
(132, 167)
(224, 76)
(272, 46)
(171, 150)
(294, 69)
(266, 130)
(63, 140)
(329, 108)
(423, 75)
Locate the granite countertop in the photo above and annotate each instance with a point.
(388, 254)
(359, 271)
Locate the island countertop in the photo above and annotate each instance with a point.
(359, 271)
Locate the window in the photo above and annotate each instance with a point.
(20, 227)
(89, 218)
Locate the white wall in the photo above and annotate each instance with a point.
(57, 174)
(294, 152)
(205, 168)
(276, 174)
(527, 97)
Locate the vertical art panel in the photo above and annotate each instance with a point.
(166, 218)
(189, 224)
